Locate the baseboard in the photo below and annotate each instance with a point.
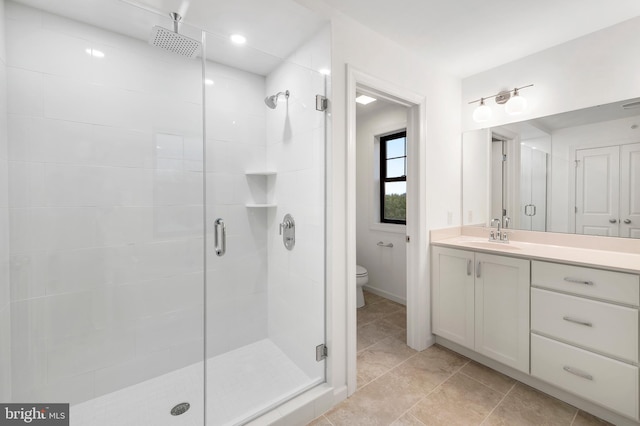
(386, 295)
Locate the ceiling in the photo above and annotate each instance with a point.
(470, 36)
(273, 28)
(466, 36)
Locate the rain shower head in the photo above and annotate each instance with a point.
(173, 41)
(272, 101)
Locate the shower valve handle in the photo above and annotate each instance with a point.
(288, 231)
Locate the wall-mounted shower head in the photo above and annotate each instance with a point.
(173, 41)
(272, 101)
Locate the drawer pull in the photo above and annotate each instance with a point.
(578, 280)
(577, 321)
(577, 372)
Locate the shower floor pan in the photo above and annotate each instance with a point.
(241, 383)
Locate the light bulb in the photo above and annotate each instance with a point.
(482, 113)
(516, 104)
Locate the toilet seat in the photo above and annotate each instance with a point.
(361, 271)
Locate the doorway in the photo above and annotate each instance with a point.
(415, 234)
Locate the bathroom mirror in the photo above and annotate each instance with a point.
(575, 172)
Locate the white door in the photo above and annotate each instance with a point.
(597, 191)
(533, 189)
(502, 309)
(453, 295)
(630, 190)
(526, 209)
(497, 183)
(539, 190)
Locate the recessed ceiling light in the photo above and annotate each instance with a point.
(364, 99)
(95, 53)
(238, 39)
(325, 71)
(208, 82)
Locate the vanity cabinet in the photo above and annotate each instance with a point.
(481, 301)
(584, 333)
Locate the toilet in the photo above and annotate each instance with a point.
(362, 277)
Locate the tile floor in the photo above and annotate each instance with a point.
(401, 387)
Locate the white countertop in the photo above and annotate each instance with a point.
(606, 259)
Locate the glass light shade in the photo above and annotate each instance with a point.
(482, 113)
(516, 105)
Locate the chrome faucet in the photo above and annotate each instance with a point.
(498, 235)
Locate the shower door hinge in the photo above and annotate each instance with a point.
(321, 352)
(322, 103)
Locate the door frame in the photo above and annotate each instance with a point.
(418, 294)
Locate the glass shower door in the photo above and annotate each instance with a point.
(106, 219)
(265, 168)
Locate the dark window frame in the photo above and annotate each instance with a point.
(383, 171)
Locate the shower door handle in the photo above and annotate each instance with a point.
(220, 237)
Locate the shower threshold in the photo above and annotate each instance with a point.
(241, 384)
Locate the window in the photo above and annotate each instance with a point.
(393, 178)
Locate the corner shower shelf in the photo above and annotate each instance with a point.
(263, 174)
(260, 206)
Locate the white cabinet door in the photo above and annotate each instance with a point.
(453, 295)
(630, 190)
(502, 309)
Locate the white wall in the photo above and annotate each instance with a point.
(105, 209)
(5, 312)
(367, 51)
(387, 267)
(296, 151)
(598, 68)
(564, 143)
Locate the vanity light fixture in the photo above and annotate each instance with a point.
(515, 104)
(482, 113)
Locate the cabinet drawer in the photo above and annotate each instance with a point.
(601, 326)
(602, 380)
(606, 285)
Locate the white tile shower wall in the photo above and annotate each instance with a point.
(105, 188)
(295, 148)
(5, 313)
(237, 282)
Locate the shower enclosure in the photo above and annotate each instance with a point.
(148, 274)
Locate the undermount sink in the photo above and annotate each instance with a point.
(493, 246)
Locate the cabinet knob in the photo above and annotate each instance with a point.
(627, 221)
(612, 220)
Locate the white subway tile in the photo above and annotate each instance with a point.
(47, 51)
(25, 93)
(71, 356)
